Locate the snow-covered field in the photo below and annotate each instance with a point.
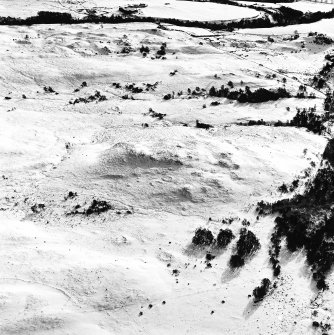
(186, 10)
(304, 6)
(324, 26)
(197, 11)
(308, 6)
(132, 269)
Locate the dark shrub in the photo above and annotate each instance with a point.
(97, 207)
(321, 284)
(224, 238)
(329, 151)
(283, 188)
(277, 270)
(144, 49)
(202, 125)
(236, 261)
(203, 237)
(209, 257)
(315, 324)
(260, 291)
(248, 243)
(37, 208)
(161, 51)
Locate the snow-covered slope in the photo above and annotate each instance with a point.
(132, 269)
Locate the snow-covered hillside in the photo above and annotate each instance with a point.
(85, 122)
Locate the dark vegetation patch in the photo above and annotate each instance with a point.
(135, 88)
(162, 51)
(236, 261)
(261, 291)
(322, 39)
(144, 50)
(203, 237)
(83, 85)
(319, 81)
(37, 208)
(224, 238)
(71, 195)
(95, 207)
(49, 89)
(306, 221)
(246, 246)
(304, 118)
(97, 97)
(329, 102)
(284, 188)
(202, 125)
(156, 115)
(243, 96)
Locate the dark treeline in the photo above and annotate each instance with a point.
(243, 96)
(282, 16)
(304, 118)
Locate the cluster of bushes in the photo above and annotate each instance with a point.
(37, 208)
(97, 96)
(325, 327)
(310, 120)
(133, 88)
(204, 237)
(228, 220)
(303, 93)
(242, 96)
(322, 39)
(304, 118)
(144, 50)
(274, 252)
(83, 84)
(319, 81)
(307, 221)
(259, 95)
(285, 189)
(70, 195)
(327, 68)
(154, 114)
(330, 57)
(95, 207)
(246, 246)
(49, 89)
(137, 89)
(162, 51)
